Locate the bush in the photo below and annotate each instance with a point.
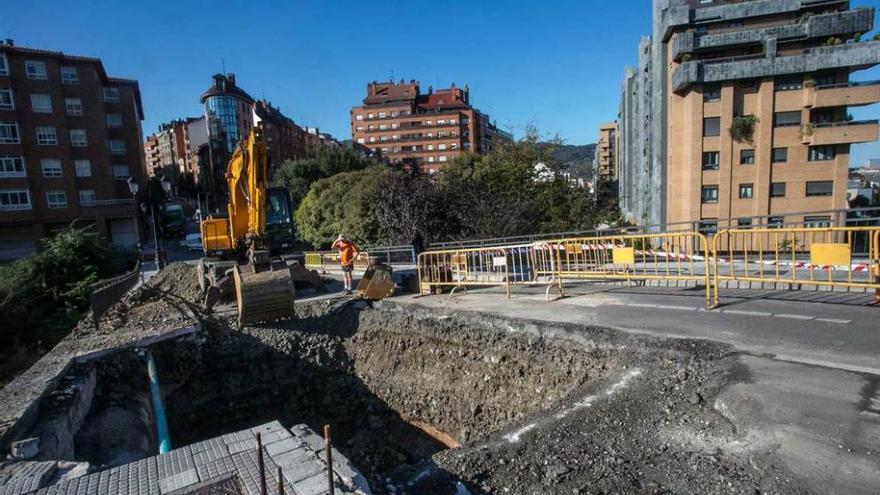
(743, 127)
(341, 204)
(47, 293)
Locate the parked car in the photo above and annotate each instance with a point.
(192, 242)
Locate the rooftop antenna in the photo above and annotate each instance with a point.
(392, 75)
(223, 64)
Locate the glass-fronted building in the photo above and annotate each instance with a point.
(229, 117)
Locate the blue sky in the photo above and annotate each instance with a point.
(556, 64)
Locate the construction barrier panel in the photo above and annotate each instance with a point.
(460, 268)
(330, 259)
(793, 257)
(677, 256)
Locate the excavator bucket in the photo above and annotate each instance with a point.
(376, 283)
(263, 296)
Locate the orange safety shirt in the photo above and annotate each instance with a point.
(346, 251)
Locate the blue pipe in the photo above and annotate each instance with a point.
(158, 408)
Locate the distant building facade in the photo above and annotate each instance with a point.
(606, 159)
(402, 124)
(740, 111)
(70, 138)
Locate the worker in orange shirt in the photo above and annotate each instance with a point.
(348, 252)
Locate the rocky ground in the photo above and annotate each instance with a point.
(535, 408)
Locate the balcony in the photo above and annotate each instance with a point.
(844, 94)
(859, 131)
(859, 20)
(856, 55)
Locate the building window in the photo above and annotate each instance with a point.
(441, 146)
(382, 115)
(120, 172)
(744, 223)
(6, 101)
(56, 199)
(51, 167)
(360, 140)
(372, 139)
(820, 153)
(780, 155)
(41, 103)
(12, 166)
(4, 65)
(370, 115)
(710, 194)
(789, 83)
(113, 120)
(87, 197)
(430, 147)
(711, 160)
(712, 126)
(383, 138)
(747, 157)
(817, 222)
(117, 146)
(15, 199)
(442, 158)
(394, 113)
(820, 188)
(777, 190)
(431, 159)
(708, 227)
(711, 92)
(775, 222)
(73, 106)
(78, 138)
(47, 136)
(69, 75)
(787, 119)
(83, 168)
(394, 125)
(358, 117)
(745, 191)
(9, 133)
(748, 83)
(111, 95)
(35, 70)
(382, 127)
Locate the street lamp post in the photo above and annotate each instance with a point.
(134, 187)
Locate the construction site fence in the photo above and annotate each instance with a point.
(105, 293)
(403, 254)
(791, 257)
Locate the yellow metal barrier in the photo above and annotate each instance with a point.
(327, 259)
(460, 268)
(797, 256)
(681, 256)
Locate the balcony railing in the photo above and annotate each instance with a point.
(106, 202)
(819, 125)
(414, 126)
(850, 84)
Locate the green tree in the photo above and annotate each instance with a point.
(297, 176)
(44, 295)
(342, 204)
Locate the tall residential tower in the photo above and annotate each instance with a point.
(741, 110)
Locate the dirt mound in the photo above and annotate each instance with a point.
(179, 279)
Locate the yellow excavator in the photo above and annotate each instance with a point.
(263, 286)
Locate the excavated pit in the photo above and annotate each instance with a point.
(396, 387)
(420, 400)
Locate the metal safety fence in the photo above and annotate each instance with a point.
(795, 256)
(105, 293)
(322, 260)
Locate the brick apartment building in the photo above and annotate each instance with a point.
(404, 125)
(780, 70)
(70, 138)
(170, 150)
(606, 158)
